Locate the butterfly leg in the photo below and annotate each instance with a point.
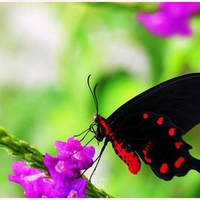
(99, 157)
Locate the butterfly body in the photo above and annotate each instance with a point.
(150, 126)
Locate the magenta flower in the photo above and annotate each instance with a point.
(70, 161)
(33, 181)
(171, 19)
(64, 169)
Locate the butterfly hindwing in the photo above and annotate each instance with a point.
(158, 142)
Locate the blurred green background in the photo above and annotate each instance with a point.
(47, 50)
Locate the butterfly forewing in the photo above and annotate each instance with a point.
(177, 98)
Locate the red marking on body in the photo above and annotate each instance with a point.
(130, 158)
(160, 120)
(178, 144)
(171, 131)
(106, 127)
(178, 163)
(148, 160)
(145, 116)
(164, 167)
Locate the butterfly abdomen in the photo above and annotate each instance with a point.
(127, 155)
(122, 150)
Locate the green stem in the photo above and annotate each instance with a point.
(93, 192)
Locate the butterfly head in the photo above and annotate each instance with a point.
(96, 119)
(96, 128)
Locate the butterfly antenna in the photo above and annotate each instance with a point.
(93, 93)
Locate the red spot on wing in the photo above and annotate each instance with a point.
(130, 158)
(160, 121)
(178, 163)
(164, 167)
(147, 147)
(148, 160)
(178, 144)
(171, 131)
(145, 116)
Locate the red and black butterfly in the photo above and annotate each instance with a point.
(151, 126)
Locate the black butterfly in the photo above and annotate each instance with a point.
(151, 126)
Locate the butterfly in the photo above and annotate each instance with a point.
(150, 127)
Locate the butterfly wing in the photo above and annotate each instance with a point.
(177, 98)
(152, 125)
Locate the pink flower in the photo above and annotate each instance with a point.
(171, 19)
(64, 169)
